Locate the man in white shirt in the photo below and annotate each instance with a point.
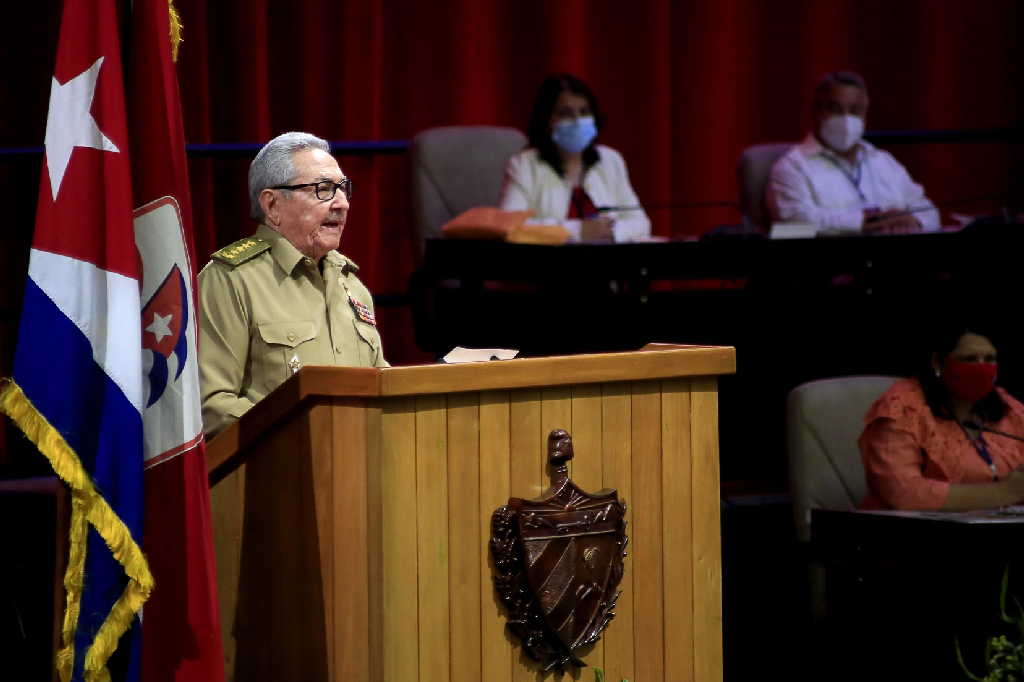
(837, 181)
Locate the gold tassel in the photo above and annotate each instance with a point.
(73, 582)
(87, 508)
(176, 28)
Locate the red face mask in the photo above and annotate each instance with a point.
(970, 381)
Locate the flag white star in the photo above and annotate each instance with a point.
(160, 326)
(69, 123)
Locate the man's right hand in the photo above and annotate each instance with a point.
(893, 221)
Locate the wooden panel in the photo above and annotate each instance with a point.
(586, 437)
(351, 562)
(648, 635)
(432, 537)
(558, 371)
(525, 480)
(496, 648)
(321, 442)
(586, 465)
(616, 454)
(375, 539)
(707, 543)
(400, 612)
(526, 475)
(280, 569)
(677, 536)
(464, 522)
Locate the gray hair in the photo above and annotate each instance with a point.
(273, 165)
(840, 78)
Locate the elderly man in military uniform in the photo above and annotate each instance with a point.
(284, 297)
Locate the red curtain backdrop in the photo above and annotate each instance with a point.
(685, 85)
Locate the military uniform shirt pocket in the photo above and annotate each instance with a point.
(275, 346)
(369, 345)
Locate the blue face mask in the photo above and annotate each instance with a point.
(573, 135)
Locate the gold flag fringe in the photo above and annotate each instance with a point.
(88, 508)
(176, 28)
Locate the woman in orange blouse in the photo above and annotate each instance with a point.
(930, 443)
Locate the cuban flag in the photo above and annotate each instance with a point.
(105, 377)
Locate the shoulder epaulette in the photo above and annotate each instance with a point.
(238, 252)
(348, 265)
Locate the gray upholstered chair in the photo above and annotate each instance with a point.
(824, 420)
(456, 168)
(752, 172)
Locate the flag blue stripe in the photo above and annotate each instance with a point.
(181, 348)
(54, 367)
(157, 378)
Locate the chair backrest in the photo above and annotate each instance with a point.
(456, 168)
(824, 420)
(752, 171)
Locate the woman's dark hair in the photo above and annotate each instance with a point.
(991, 408)
(538, 128)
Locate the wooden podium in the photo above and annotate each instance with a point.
(352, 515)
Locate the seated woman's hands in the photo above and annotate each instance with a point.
(1015, 484)
(597, 229)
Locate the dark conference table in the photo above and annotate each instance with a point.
(795, 309)
(723, 257)
(902, 587)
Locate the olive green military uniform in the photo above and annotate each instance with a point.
(266, 311)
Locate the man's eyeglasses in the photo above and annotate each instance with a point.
(325, 189)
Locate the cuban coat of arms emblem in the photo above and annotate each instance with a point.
(558, 563)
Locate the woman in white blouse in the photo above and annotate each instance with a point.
(564, 177)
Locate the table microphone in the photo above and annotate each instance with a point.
(666, 207)
(978, 427)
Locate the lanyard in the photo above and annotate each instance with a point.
(981, 447)
(854, 178)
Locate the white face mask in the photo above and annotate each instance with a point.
(842, 131)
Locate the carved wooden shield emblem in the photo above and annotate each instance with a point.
(558, 562)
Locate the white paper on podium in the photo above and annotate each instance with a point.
(460, 354)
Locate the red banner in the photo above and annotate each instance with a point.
(181, 631)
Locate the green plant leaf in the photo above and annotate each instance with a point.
(1003, 589)
(963, 666)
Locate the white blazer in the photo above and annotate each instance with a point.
(532, 184)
